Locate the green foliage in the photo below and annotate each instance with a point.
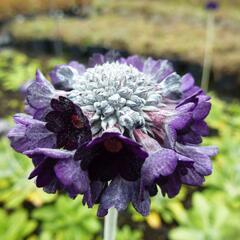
(209, 218)
(126, 232)
(15, 69)
(15, 226)
(67, 220)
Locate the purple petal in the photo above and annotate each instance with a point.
(172, 186)
(202, 163)
(29, 134)
(191, 137)
(181, 121)
(158, 69)
(187, 82)
(52, 153)
(192, 178)
(136, 62)
(40, 93)
(96, 59)
(71, 175)
(160, 163)
(202, 110)
(79, 67)
(141, 205)
(118, 194)
(200, 127)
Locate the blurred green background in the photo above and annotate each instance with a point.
(43, 33)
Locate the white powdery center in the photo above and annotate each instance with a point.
(120, 94)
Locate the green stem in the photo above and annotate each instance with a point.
(110, 225)
(208, 51)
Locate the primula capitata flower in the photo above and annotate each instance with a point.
(212, 5)
(65, 75)
(115, 130)
(30, 133)
(68, 123)
(55, 170)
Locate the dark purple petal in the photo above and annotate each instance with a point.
(190, 137)
(63, 104)
(118, 194)
(110, 155)
(171, 185)
(141, 205)
(192, 178)
(200, 127)
(101, 211)
(68, 122)
(160, 163)
(96, 190)
(71, 175)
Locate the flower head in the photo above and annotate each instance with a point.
(212, 5)
(114, 131)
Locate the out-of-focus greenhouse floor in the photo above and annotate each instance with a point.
(172, 29)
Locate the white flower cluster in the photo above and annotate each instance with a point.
(119, 93)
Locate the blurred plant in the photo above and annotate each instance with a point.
(10, 8)
(4, 127)
(209, 218)
(15, 226)
(67, 220)
(14, 185)
(15, 69)
(126, 232)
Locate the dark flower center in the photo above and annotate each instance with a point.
(76, 121)
(113, 145)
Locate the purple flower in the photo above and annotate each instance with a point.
(115, 131)
(55, 170)
(212, 5)
(65, 75)
(69, 124)
(30, 133)
(39, 95)
(113, 157)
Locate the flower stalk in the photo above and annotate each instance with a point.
(110, 224)
(208, 55)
